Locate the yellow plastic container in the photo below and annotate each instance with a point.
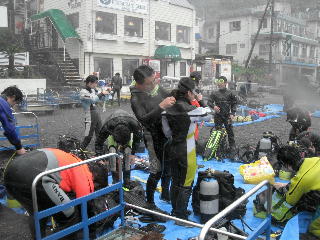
(256, 172)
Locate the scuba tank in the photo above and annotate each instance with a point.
(265, 144)
(209, 198)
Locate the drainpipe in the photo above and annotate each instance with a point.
(64, 51)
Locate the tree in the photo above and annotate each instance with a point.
(10, 44)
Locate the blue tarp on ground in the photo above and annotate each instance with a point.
(274, 109)
(316, 114)
(173, 231)
(237, 124)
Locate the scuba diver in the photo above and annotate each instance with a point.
(89, 96)
(122, 131)
(54, 189)
(224, 104)
(311, 143)
(148, 100)
(303, 191)
(179, 123)
(300, 121)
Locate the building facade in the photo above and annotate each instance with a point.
(116, 36)
(294, 47)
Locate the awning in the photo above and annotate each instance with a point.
(60, 22)
(168, 52)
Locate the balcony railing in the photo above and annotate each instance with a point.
(279, 58)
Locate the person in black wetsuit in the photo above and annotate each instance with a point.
(148, 100)
(224, 103)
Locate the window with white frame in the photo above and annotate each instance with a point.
(106, 23)
(264, 23)
(235, 26)
(231, 49)
(133, 26)
(264, 49)
(183, 34)
(163, 31)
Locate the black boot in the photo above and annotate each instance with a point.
(182, 204)
(115, 177)
(151, 186)
(126, 177)
(165, 194)
(174, 191)
(150, 190)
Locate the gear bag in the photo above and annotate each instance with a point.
(214, 144)
(228, 193)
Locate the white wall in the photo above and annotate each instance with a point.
(236, 37)
(119, 48)
(28, 86)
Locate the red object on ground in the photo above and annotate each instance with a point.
(260, 114)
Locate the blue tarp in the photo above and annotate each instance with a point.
(296, 225)
(237, 124)
(173, 231)
(316, 114)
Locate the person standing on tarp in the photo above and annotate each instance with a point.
(148, 100)
(224, 103)
(179, 123)
(116, 85)
(89, 96)
(10, 97)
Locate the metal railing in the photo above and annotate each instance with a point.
(35, 135)
(84, 224)
(264, 226)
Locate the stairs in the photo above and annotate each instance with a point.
(69, 71)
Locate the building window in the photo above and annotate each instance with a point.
(304, 50)
(183, 34)
(242, 45)
(105, 67)
(183, 69)
(106, 23)
(133, 26)
(128, 67)
(163, 31)
(264, 49)
(312, 52)
(235, 26)
(74, 19)
(264, 23)
(295, 51)
(231, 49)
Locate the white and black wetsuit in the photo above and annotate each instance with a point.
(89, 97)
(180, 122)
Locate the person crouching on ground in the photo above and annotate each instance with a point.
(56, 188)
(122, 133)
(303, 191)
(179, 123)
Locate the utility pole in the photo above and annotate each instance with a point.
(257, 34)
(271, 36)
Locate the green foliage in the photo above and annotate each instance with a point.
(256, 71)
(10, 44)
